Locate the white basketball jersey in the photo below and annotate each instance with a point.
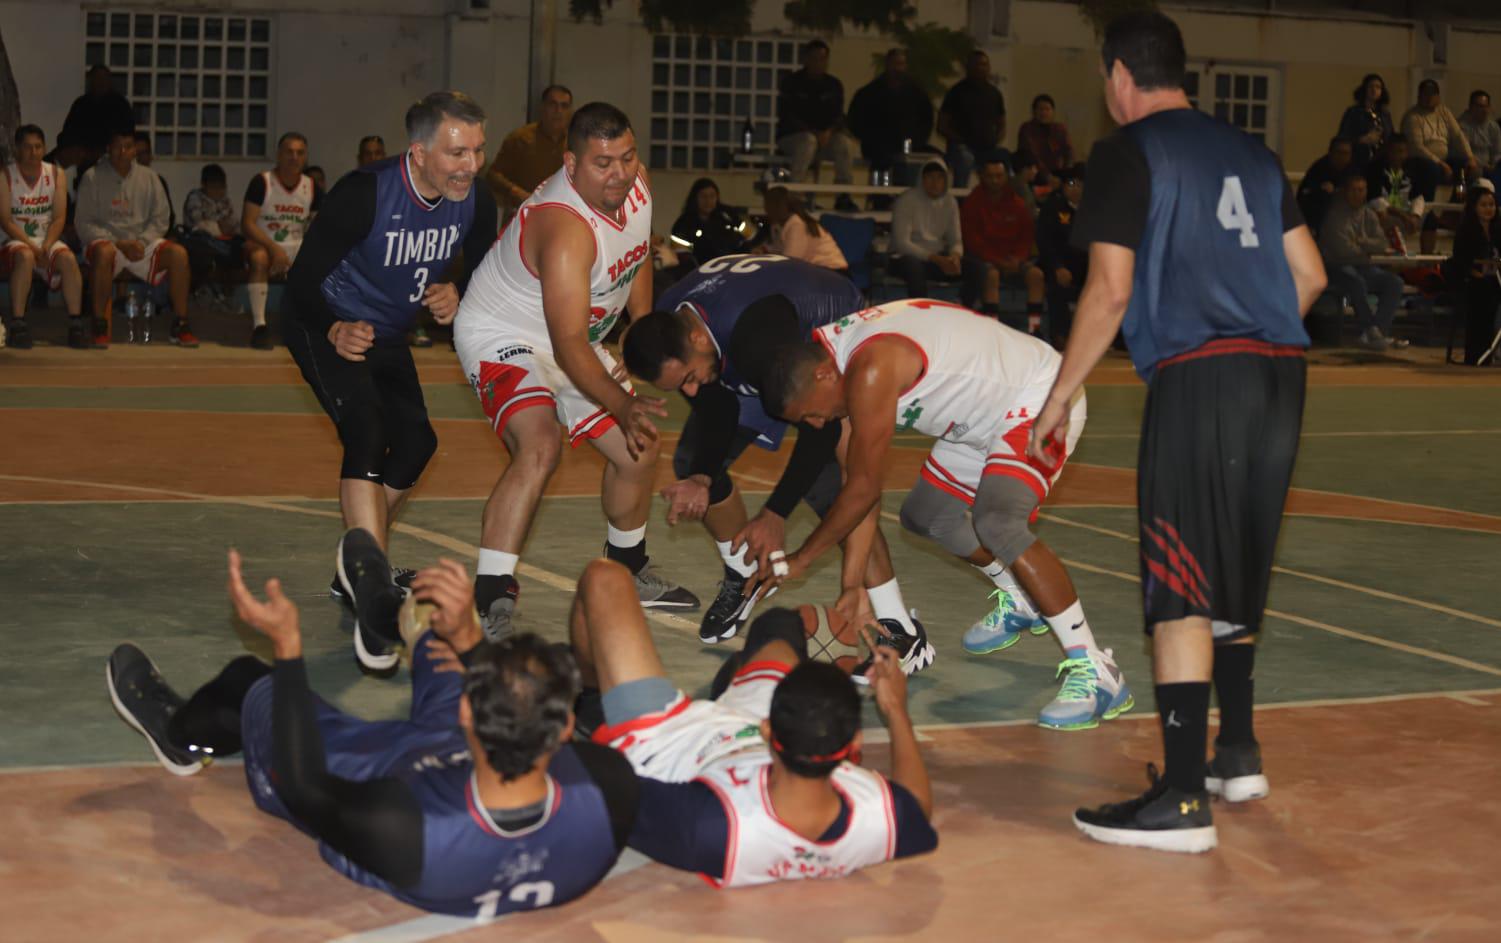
(285, 214)
(974, 367)
(762, 849)
(505, 296)
(33, 207)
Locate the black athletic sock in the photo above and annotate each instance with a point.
(211, 717)
(634, 558)
(489, 587)
(1235, 686)
(1183, 710)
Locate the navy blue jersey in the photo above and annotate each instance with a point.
(408, 247)
(722, 289)
(1204, 205)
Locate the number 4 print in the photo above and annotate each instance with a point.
(1233, 213)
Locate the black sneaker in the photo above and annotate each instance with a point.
(365, 576)
(260, 338)
(400, 575)
(727, 613)
(78, 333)
(916, 651)
(657, 592)
(495, 621)
(17, 334)
(144, 701)
(1162, 818)
(1235, 773)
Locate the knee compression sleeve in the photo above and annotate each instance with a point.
(1003, 506)
(939, 516)
(411, 448)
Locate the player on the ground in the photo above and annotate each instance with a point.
(713, 340)
(761, 782)
(1195, 240)
(33, 213)
(529, 336)
(375, 256)
(975, 385)
(476, 805)
(279, 205)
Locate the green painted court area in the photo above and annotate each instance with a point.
(1361, 607)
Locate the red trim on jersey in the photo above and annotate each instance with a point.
(292, 192)
(890, 809)
(605, 734)
(848, 804)
(1026, 474)
(406, 179)
(731, 842)
(771, 668)
(915, 346)
(937, 482)
(520, 403)
(819, 336)
(953, 479)
(594, 425)
(521, 232)
(618, 227)
(1223, 346)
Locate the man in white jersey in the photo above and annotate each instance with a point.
(976, 386)
(33, 212)
(760, 782)
(279, 205)
(529, 333)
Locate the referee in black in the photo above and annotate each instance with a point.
(1195, 240)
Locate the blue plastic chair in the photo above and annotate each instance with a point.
(854, 237)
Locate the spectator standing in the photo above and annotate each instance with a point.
(213, 238)
(998, 230)
(797, 235)
(1436, 141)
(1477, 246)
(372, 149)
(280, 204)
(93, 117)
(810, 110)
(1321, 181)
(1353, 233)
(972, 118)
(1483, 134)
(1063, 265)
(1368, 122)
(927, 240)
(533, 152)
(1046, 138)
(707, 229)
(122, 219)
(888, 113)
(33, 211)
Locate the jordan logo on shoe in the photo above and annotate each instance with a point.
(1172, 721)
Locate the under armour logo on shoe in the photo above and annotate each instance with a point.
(1190, 805)
(1172, 721)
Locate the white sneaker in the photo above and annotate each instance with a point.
(1093, 690)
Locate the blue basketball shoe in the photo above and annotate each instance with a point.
(1003, 625)
(1093, 690)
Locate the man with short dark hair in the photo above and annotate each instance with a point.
(1352, 233)
(483, 769)
(927, 240)
(999, 231)
(810, 111)
(972, 118)
(213, 239)
(380, 250)
(760, 782)
(1195, 240)
(1484, 135)
(530, 337)
(93, 118)
(1320, 184)
(372, 149)
(890, 113)
(279, 205)
(33, 214)
(1046, 139)
(533, 152)
(1436, 140)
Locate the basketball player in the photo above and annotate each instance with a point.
(375, 256)
(1195, 240)
(476, 805)
(714, 341)
(529, 336)
(33, 212)
(279, 205)
(761, 782)
(976, 386)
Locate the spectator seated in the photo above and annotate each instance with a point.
(927, 242)
(998, 230)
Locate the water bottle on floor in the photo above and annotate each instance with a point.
(148, 308)
(132, 315)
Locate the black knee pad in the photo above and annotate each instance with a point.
(412, 447)
(364, 438)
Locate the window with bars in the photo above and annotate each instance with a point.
(704, 89)
(1248, 97)
(199, 83)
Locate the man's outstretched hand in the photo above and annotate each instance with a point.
(276, 617)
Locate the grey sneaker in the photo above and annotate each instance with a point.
(495, 621)
(146, 702)
(657, 592)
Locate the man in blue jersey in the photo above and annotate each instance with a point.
(1196, 242)
(379, 252)
(713, 339)
(476, 805)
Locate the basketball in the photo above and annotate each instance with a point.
(831, 637)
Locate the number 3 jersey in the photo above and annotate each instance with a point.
(974, 368)
(33, 204)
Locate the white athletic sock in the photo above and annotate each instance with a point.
(1003, 579)
(624, 539)
(1072, 630)
(497, 563)
(258, 292)
(735, 561)
(887, 602)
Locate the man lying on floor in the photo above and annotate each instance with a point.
(476, 806)
(761, 782)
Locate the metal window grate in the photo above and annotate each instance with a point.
(199, 83)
